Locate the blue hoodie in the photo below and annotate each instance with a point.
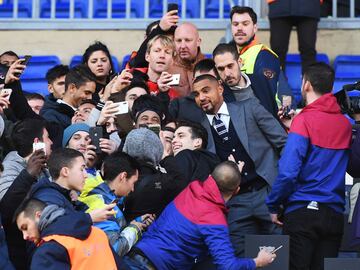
(189, 228)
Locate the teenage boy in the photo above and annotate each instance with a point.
(120, 173)
(67, 170)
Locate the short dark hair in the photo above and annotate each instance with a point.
(29, 206)
(97, 46)
(11, 53)
(223, 48)
(206, 65)
(205, 77)
(60, 158)
(117, 163)
(242, 10)
(227, 177)
(56, 72)
(197, 131)
(25, 132)
(150, 26)
(33, 96)
(79, 75)
(136, 83)
(321, 77)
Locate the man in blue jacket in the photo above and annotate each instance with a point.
(311, 181)
(193, 225)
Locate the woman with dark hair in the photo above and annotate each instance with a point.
(97, 57)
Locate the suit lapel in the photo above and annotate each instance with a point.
(211, 144)
(237, 116)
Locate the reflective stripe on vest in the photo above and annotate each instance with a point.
(91, 253)
(249, 57)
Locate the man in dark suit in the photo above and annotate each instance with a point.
(246, 131)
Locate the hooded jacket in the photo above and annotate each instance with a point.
(313, 164)
(190, 227)
(53, 255)
(13, 165)
(96, 194)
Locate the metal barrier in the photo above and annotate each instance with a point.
(89, 22)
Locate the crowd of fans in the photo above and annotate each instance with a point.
(170, 163)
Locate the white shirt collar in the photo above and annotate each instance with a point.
(223, 110)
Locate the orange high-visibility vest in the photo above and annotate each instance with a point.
(92, 253)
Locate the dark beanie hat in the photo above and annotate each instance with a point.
(148, 103)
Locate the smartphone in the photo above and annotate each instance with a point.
(39, 146)
(7, 91)
(175, 80)
(155, 128)
(276, 249)
(27, 59)
(123, 107)
(116, 200)
(173, 6)
(286, 113)
(96, 133)
(24, 62)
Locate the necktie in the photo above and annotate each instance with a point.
(220, 127)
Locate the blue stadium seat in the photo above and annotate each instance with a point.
(124, 61)
(118, 9)
(347, 67)
(192, 9)
(35, 86)
(212, 9)
(24, 9)
(293, 71)
(340, 82)
(208, 55)
(62, 9)
(77, 59)
(33, 79)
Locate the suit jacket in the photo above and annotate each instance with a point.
(259, 132)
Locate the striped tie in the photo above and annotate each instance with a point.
(220, 127)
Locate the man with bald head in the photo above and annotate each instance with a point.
(193, 225)
(246, 131)
(187, 44)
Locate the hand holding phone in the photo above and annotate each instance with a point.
(96, 133)
(175, 80)
(276, 249)
(6, 93)
(173, 6)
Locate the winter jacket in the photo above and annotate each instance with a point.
(313, 164)
(196, 164)
(155, 188)
(190, 227)
(287, 8)
(53, 255)
(57, 112)
(18, 247)
(13, 165)
(96, 194)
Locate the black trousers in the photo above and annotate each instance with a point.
(314, 235)
(280, 29)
